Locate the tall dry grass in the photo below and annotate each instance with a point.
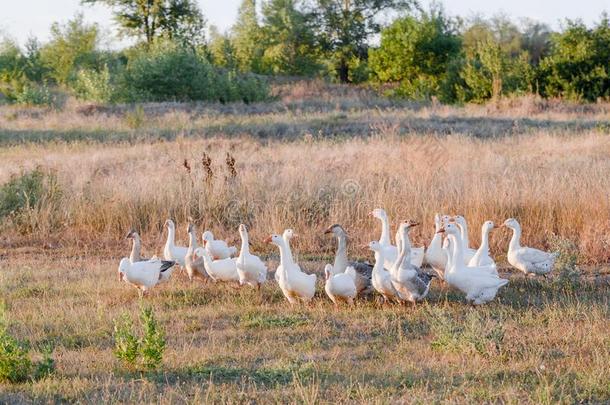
(554, 184)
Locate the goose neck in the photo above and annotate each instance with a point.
(458, 250)
(515, 239)
(135, 249)
(385, 230)
(341, 255)
(245, 243)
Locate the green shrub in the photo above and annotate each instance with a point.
(34, 94)
(145, 352)
(21, 192)
(15, 363)
(95, 86)
(170, 72)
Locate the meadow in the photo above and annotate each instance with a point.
(317, 155)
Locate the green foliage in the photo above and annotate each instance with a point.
(73, 46)
(416, 52)
(221, 50)
(21, 192)
(247, 38)
(145, 352)
(170, 72)
(46, 366)
(343, 28)
(290, 45)
(15, 363)
(33, 94)
(95, 85)
(178, 20)
(566, 263)
(578, 66)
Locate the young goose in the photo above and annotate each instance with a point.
(250, 268)
(390, 251)
(410, 283)
(143, 275)
(435, 255)
(171, 251)
(381, 280)
(340, 286)
(526, 259)
(479, 285)
(362, 272)
(195, 267)
(482, 258)
(224, 270)
(218, 249)
(295, 285)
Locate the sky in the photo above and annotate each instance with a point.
(21, 19)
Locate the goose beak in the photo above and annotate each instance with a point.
(205, 242)
(267, 239)
(442, 230)
(120, 276)
(497, 226)
(327, 231)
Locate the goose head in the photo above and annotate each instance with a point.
(450, 229)
(461, 221)
(200, 252)
(410, 223)
(445, 219)
(243, 230)
(207, 237)
(328, 271)
(375, 246)
(124, 265)
(275, 239)
(336, 230)
(379, 213)
(289, 234)
(132, 234)
(170, 224)
(488, 226)
(511, 223)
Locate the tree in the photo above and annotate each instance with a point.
(416, 51)
(180, 20)
(578, 65)
(72, 46)
(290, 46)
(221, 50)
(247, 38)
(343, 28)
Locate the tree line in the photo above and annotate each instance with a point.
(410, 52)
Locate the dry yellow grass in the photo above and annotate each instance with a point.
(306, 161)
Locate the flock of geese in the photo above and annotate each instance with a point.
(396, 275)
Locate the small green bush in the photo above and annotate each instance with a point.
(35, 95)
(145, 352)
(21, 192)
(15, 363)
(95, 86)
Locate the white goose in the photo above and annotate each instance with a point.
(287, 235)
(482, 258)
(295, 285)
(361, 272)
(435, 255)
(463, 225)
(526, 259)
(479, 285)
(340, 286)
(381, 280)
(144, 275)
(223, 270)
(250, 268)
(195, 266)
(136, 248)
(390, 252)
(410, 283)
(171, 251)
(218, 249)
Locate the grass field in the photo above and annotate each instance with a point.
(316, 156)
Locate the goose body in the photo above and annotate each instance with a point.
(195, 266)
(360, 272)
(526, 259)
(218, 249)
(410, 283)
(295, 285)
(390, 252)
(172, 252)
(479, 285)
(340, 287)
(224, 270)
(287, 235)
(250, 268)
(144, 275)
(381, 280)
